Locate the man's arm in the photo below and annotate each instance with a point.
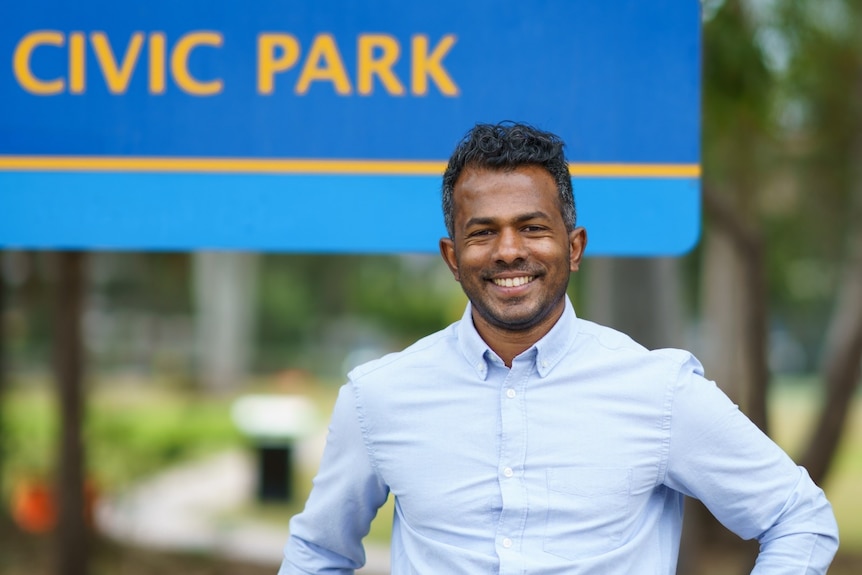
(327, 536)
(720, 457)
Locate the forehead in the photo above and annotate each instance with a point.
(487, 193)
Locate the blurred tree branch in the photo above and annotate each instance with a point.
(750, 248)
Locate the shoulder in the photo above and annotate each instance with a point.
(606, 344)
(394, 382)
(606, 339)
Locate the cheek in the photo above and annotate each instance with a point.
(554, 254)
(469, 264)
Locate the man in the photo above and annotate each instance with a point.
(523, 439)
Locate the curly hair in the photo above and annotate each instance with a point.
(507, 146)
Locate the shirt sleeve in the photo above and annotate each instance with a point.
(748, 483)
(347, 492)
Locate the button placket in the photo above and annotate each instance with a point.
(512, 452)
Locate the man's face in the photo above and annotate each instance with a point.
(511, 251)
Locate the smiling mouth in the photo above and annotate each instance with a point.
(513, 282)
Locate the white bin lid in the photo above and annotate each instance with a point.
(275, 416)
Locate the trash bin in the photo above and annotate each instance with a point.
(274, 423)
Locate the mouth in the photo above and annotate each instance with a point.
(513, 282)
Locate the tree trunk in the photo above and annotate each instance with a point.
(751, 342)
(3, 366)
(735, 333)
(225, 290)
(72, 536)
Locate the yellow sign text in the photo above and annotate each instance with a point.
(116, 63)
(280, 59)
(376, 57)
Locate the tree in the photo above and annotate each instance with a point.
(782, 111)
(824, 87)
(734, 297)
(72, 536)
(734, 300)
(3, 364)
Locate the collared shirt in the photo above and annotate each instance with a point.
(574, 461)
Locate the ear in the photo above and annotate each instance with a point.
(447, 250)
(577, 245)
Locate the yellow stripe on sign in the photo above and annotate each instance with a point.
(278, 166)
(636, 170)
(217, 165)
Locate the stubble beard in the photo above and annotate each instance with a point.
(505, 315)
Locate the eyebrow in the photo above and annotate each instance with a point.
(484, 221)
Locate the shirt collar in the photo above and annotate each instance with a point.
(472, 345)
(556, 344)
(549, 350)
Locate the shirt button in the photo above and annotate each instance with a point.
(507, 542)
(508, 472)
(510, 393)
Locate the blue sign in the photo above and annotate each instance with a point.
(324, 125)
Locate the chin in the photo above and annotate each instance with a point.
(517, 322)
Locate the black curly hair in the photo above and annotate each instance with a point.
(507, 146)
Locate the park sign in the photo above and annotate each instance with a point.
(325, 125)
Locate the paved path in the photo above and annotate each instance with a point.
(187, 508)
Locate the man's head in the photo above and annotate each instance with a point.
(512, 242)
(506, 146)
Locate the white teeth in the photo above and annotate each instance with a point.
(513, 282)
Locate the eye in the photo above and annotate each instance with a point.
(479, 233)
(533, 228)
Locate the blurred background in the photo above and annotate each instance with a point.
(182, 468)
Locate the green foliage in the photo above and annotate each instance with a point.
(156, 282)
(303, 299)
(29, 431)
(736, 91)
(820, 93)
(782, 137)
(130, 438)
(286, 316)
(128, 432)
(410, 298)
(817, 116)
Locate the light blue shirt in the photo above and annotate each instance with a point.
(574, 461)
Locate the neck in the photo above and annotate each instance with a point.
(508, 343)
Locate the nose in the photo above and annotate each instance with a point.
(510, 246)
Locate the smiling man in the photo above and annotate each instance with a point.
(523, 439)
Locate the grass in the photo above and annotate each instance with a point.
(130, 431)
